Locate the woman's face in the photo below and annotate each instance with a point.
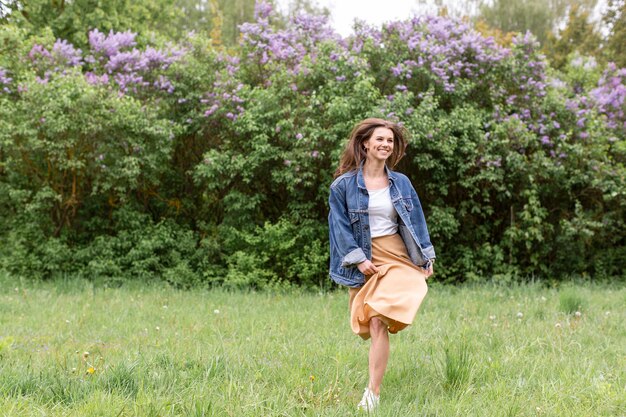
(380, 145)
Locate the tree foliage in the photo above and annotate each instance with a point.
(540, 17)
(579, 36)
(615, 18)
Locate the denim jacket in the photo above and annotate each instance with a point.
(348, 221)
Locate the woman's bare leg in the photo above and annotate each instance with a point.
(379, 353)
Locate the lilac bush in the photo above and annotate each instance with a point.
(519, 167)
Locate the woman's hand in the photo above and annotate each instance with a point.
(429, 271)
(367, 267)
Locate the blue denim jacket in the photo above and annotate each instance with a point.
(348, 221)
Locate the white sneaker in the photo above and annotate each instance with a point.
(369, 401)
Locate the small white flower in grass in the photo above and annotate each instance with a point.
(578, 314)
(216, 311)
(67, 321)
(157, 328)
(492, 317)
(520, 314)
(607, 313)
(85, 355)
(543, 298)
(558, 325)
(165, 306)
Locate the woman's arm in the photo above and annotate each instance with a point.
(341, 228)
(419, 224)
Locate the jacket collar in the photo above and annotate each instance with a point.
(361, 181)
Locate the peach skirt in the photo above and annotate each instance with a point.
(393, 294)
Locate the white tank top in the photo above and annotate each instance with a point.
(383, 216)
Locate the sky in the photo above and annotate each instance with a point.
(376, 12)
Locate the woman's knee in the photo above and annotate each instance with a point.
(377, 326)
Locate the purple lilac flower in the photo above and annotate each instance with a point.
(262, 10)
(64, 52)
(212, 110)
(5, 80)
(111, 44)
(610, 96)
(495, 163)
(95, 79)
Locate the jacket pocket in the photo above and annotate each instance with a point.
(356, 226)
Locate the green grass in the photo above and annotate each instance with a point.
(156, 351)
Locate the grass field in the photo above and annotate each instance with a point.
(79, 349)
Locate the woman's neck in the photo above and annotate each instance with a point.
(374, 169)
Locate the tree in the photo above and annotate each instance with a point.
(540, 17)
(578, 36)
(616, 42)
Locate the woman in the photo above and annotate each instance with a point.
(379, 242)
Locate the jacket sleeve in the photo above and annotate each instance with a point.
(419, 222)
(341, 229)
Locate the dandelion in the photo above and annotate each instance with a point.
(520, 314)
(91, 370)
(578, 314)
(312, 378)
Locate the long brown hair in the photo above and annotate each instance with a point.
(354, 153)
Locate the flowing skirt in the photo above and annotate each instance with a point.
(393, 294)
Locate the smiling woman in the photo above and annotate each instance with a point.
(379, 242)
